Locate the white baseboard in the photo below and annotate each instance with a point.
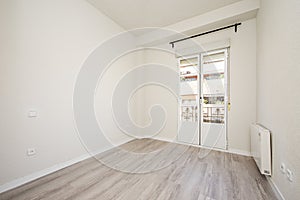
(230, 150)
(31, 177)
(23, 180)
(275, 188)
(239, 152)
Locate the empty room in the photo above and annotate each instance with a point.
(150, 100)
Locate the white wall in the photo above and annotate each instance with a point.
(104, 97)
(142, 99)
(278, 96)
(158, 95)
(43, 44)
(242, 86)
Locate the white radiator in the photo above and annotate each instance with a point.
(261, 148)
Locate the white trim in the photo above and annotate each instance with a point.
(31, 177)
(239, 152)
(233, 151)
(275, 188)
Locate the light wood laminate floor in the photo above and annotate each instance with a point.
(182, 172)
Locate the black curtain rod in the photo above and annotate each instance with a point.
(212, 31)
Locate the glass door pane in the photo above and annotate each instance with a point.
(214, 99)
(189, 103)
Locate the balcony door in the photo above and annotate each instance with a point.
(213, 99)
(204, 99)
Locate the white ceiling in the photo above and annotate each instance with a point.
(132, 14)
